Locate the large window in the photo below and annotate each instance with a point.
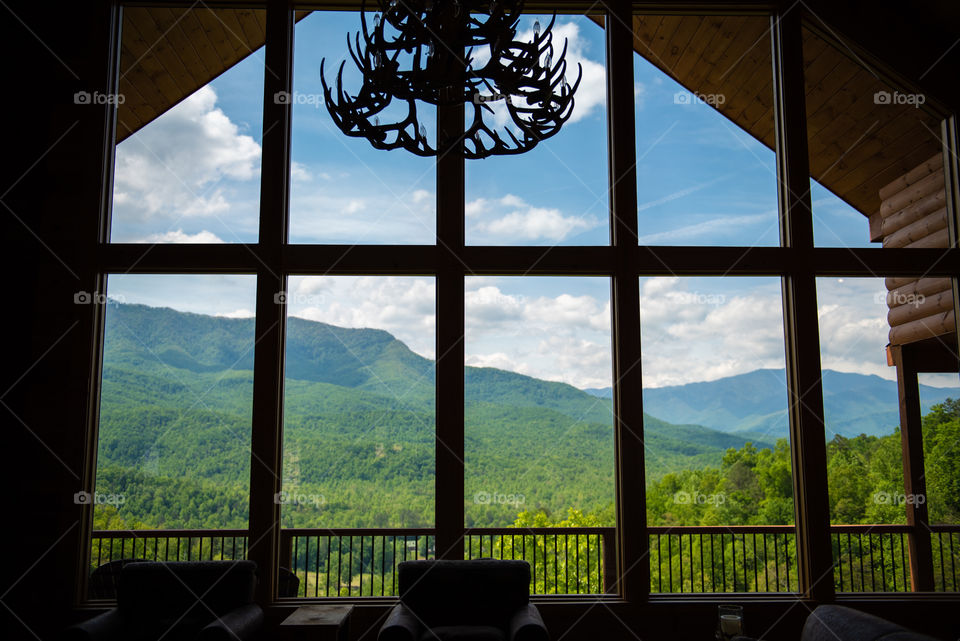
(650, 356)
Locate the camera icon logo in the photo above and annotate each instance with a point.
(82, 98)
(280, 298)
(281, 98)
(681, 98)
(882, 98)
(82, 298)
(83, 498)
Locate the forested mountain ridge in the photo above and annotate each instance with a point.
(359, 427)
(756, 402)
(359, 438)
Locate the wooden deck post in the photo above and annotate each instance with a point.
(914, 484)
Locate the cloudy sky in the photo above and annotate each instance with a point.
(193, 176)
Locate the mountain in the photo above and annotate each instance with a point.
(359, 427)
(756, 403)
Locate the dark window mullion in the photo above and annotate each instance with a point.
(801, 329)
(633, 571)
(449, 480)
(266, 437)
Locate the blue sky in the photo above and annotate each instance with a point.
(193, 176)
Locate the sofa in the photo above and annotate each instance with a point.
(179, 601)
(477, 600)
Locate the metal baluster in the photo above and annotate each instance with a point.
(326, 568)
(786, 553)
(883, 565)
(659, 566)
(680, 548)
(703, 587)
(733, 558)
(953, 566)
(943, 568)
(766, 573)
(361, 571)
(576, 543)
(873, 568)
(723, 563)
(893, 562)
(903, 565)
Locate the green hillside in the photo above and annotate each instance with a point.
(359, 432)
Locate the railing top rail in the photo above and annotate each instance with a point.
(721, 529)
(516, 531)
(877, 528)
(355, 531)
(166, 534)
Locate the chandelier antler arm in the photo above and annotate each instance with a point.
(353, 117)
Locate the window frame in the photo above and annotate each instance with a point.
(796, 261)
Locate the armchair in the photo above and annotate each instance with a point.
(208, 600)
(479, 600)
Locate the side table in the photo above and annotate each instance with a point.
(317, 623)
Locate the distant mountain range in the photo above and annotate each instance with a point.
(359, 425)
(756, 403)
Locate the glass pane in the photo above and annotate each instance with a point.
(342, 189)
(862, 324)
(716, 434)
(189, 126)
(706, 170)
(538, 425)
(555, 194)
(359, 431)
(175, 420)
(876, 163)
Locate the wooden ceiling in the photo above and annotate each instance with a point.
(167, 54)
(856, 146)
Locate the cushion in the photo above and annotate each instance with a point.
(453, 593)
(463, 633)
(185, 595)
(839, 623)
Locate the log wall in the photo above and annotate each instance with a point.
(913, 213)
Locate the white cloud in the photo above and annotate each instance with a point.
(183, 163)
(178, 236)
(510, 218)
(561, 337)
(326, 215)
(238, 313)
(299, 172)
(404, 306)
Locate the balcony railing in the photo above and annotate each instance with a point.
(362, 562)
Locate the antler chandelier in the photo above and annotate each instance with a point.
(449, 52)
